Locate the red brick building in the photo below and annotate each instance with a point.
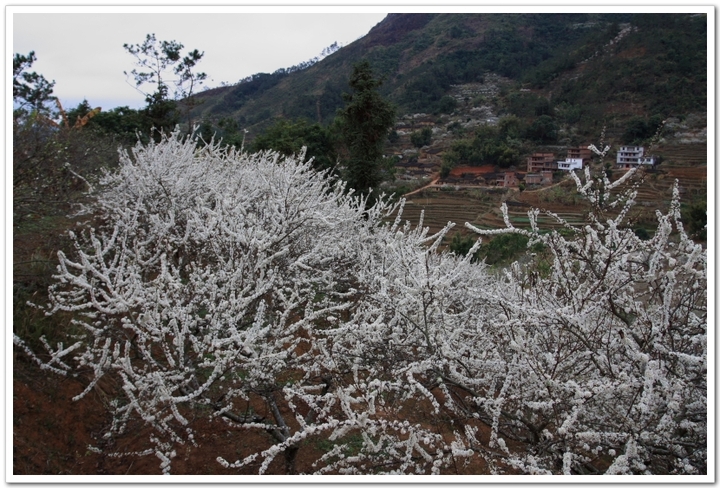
(541, 161)
(579, 153)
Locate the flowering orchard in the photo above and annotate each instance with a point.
(213, 280)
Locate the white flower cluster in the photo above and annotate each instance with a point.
(217, 280)
(605, 350)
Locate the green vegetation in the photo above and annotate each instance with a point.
(562, 194)
(124, 124)
(662, 69)
(640, 129)
(543, 130)
(500, 250)
(496, 145)
(363, 126)
(506, 49)
(352, 444)
(289, 138)
(696, 217)
(642, 233)
(461, 245)
(421, 137)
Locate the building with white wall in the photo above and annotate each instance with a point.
(570, 164)
(633, 156)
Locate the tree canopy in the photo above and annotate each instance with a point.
(288, 138)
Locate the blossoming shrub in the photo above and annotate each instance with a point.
(215, 280)
(602, 359)
(216, 277)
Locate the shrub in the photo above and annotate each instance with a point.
(422, 137)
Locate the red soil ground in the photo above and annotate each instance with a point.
(476, 170)
(51, 435)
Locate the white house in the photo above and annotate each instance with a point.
(631, 156)
(570, 164)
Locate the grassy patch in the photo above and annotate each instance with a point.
(353, 444)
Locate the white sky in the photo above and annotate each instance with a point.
(84, 54)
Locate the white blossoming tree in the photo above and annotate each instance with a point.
(595, 363)
(216, 280)
(598, 364)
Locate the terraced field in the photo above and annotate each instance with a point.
(481, 206)
(683, 155)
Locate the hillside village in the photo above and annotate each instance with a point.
(541, 170)
(544, 167)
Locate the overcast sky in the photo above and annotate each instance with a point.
(84, 54)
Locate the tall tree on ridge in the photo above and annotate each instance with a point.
(30, 89)
(364, 125)
(154, 58)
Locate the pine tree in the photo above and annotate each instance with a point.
(364, 125)
(30, 89)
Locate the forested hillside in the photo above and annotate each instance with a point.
(588, 66)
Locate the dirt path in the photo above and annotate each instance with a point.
(429, 185)
(434, 184)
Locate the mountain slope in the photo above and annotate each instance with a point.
(594, 65)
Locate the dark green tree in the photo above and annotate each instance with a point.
(642, 233)
(543, 130)
(542, 107)
(510, 127)
(505, 248)
(640, 129)
(493, 145)
(122, 124)
(422, 137)
(696, 218)
(446, 105)
(154, 59)
(30, 90)
(288, 137)
(161, 114)
(461, 245)
(449, 161)
(231, 133)
(364, 124)
(507, 156)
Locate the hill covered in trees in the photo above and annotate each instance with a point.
(578, 68)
